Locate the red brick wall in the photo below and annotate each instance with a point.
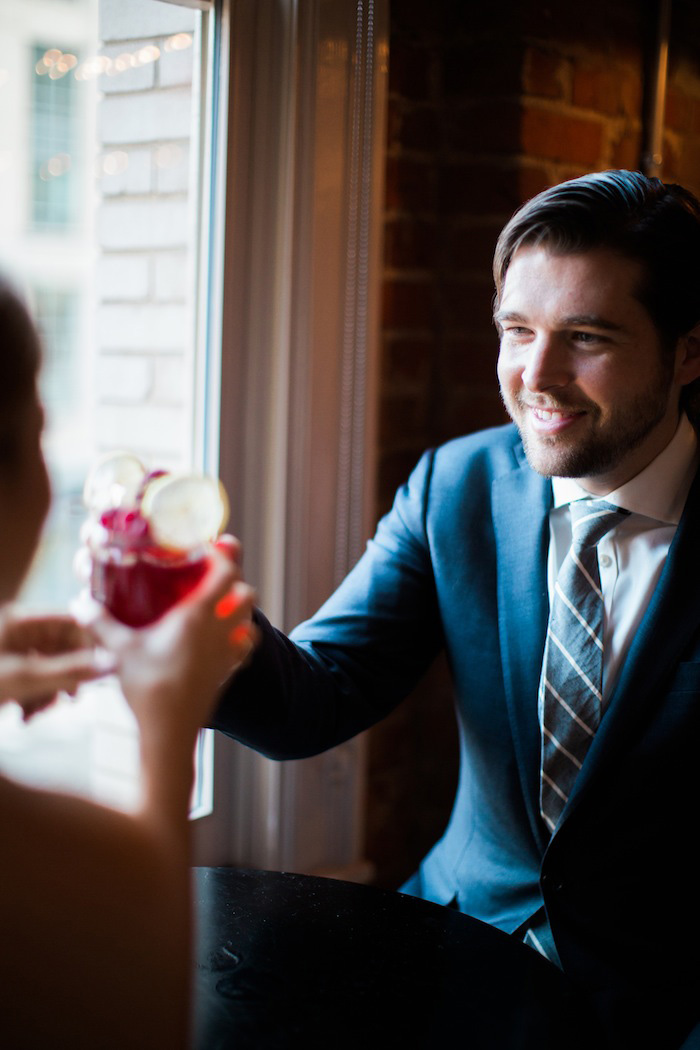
(488, 104)
(682, 138)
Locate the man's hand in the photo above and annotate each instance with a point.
(42, 656)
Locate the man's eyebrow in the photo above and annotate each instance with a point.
(590, 321)
(572, 321)
(507, 315)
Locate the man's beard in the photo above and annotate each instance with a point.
(603, 446)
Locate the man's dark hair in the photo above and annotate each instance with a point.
(19, 364)
(656, 224)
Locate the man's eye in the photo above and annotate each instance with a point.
(587, 338)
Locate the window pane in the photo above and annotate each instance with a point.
(99, 205)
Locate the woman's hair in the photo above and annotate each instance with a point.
(19, 363)
(654, 223)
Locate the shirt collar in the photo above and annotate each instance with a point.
(659, 491)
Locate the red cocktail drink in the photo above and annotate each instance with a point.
(137, 580)
(148, 536)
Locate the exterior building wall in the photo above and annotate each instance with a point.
(145, 224)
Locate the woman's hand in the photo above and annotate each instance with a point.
(171, 671)
(42, 656)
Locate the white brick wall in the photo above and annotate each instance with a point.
(154, 117)
(172, 171)
(171, 275)
(144, 223)
(176, 67)
(132, 172)
(147, 327)
(124, 379)
(128, 19)
(154, 431)
(138, 78)
(169, 378)
(123, 276)
(143, 328)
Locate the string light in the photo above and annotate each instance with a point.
(178, 42)
(66, 62)
(113, 163)
(56, 64)
(168, 155)
(55, 166)
(103, 65)
(93, 67)
(151, 53)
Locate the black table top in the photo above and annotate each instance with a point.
(287, 960)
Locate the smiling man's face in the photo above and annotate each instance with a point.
(582, 370)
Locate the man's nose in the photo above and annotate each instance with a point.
(547, 364)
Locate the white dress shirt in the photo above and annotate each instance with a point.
(632, 555)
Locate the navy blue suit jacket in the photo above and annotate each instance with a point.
(460, 563)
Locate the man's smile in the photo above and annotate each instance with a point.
(550, 418)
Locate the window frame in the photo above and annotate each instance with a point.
(294, 340)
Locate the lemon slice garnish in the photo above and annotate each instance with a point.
(184, 511)
(113, 481)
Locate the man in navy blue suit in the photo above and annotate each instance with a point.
(598, 311)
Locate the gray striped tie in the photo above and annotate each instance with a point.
(570, 697)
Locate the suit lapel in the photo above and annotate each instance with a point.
(671, 619)
(521, 503)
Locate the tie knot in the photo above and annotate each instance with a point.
(591, 519)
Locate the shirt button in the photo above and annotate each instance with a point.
(605, 561)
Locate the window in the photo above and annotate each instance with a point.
(222, 281)
(107, 246)
(55, 138)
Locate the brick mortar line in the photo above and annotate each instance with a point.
(109, 144)
(117, 253)
(159, 90)
(144, 198)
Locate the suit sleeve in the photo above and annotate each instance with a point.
(347, 667)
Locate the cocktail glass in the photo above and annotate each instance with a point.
(148, 535)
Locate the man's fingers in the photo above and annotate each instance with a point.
(243, 640)
(229, 546)
(237, 602)
(222, 573)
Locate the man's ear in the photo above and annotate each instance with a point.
(688, 356)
